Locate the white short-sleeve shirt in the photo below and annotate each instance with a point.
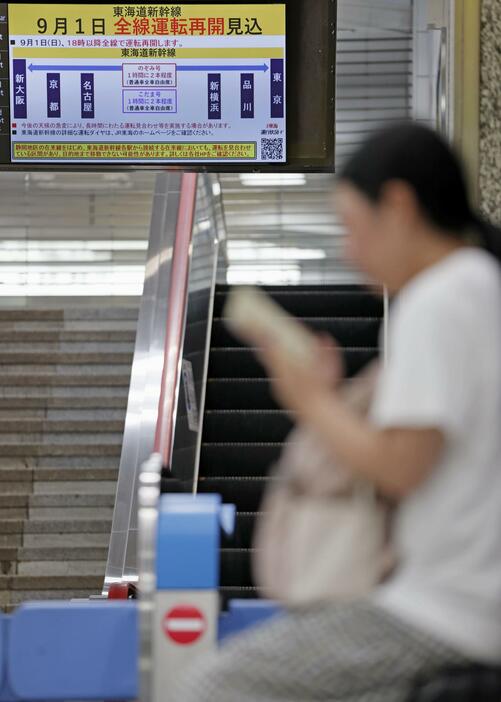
(444, 372)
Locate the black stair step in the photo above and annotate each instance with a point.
(227, 594)
(243, 363)
(234, 393)
(244, 527)
(236, 568)
(253, 460)
(172, 484)
(234, 363)
(247, 426)
(353, 332)
(245, 493)
(319, 303)
(244, 430)
(353, 287)
(240, 394)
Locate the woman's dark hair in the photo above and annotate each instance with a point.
(420, 157)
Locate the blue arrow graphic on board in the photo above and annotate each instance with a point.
(261, 67)
(32, 67)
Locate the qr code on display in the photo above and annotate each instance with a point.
(272, 149)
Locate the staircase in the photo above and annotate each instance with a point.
(244, 431)
(63, 394)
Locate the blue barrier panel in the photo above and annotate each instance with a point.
(65, 651)
(228, 518)
(188, 542)
(244, 614)
(3, 635)
(5, 693)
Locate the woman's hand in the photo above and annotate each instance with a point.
(396, 460)
(296, 385)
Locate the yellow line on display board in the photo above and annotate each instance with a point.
(150, 151)
(42, 53)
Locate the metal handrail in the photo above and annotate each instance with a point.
(219, 220)
(150, 474)
(163, 303)
(148, 497)
(175, 319)
(441, 86)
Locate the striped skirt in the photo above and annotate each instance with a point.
(338, 653)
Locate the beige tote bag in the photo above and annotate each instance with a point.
(320, 537)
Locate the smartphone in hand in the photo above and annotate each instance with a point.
(251, 314)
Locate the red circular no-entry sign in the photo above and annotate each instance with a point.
(184, 624)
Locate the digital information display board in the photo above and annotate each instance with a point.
(143, 84)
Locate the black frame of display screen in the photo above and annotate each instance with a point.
(310, 96)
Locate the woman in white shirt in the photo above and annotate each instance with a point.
(431, 443)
